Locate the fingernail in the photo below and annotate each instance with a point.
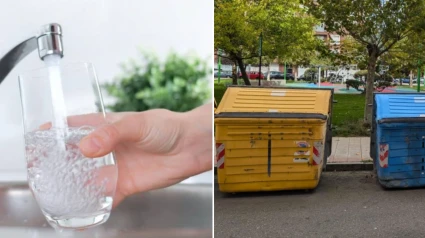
(90, 145)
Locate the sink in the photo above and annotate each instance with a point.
(182, 210)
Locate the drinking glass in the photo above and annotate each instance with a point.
(61, 104)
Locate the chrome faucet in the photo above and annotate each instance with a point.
(48, 42)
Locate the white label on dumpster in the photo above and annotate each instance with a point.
(419, 99)
(278, 93)
(422, 115)
(302, 152)
(301, 160)
(273, 110)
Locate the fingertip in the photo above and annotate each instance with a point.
(91, 146)
(100, 142)
(45, 126)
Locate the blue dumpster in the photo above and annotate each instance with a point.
(398, 139)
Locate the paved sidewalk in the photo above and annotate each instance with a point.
(350, 150)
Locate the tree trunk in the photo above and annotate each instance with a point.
(243, 71)
(234, 74)
(411, 79)
(373, 57)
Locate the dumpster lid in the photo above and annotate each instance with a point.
(275, 100)
(399, 107)
(271, 115)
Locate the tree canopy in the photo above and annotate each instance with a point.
(286, 28)
(377, 25)
(406, 55)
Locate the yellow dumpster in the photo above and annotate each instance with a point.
(272, 138)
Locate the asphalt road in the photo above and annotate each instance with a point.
(345, 204)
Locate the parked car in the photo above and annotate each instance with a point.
(416, 80)
(290, 76)
(223, 74)
(307, 78)
(280, 75)
(253, 75)
(405, 80)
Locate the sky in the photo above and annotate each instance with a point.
(103, 32)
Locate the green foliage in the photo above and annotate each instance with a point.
(311, 73)
(219, 90)
(354, 84)
(360, 73)
(178, 84)
(405, 55)
(363, 73)
(365, 20)
(384, 80)
(380, 80)
(353, 52)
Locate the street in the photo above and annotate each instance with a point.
(345, 204)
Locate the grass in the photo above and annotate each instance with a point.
(414, 87)
(347, 118)
(348, 112)
(223, 81)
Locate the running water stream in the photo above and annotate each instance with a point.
(59, 120)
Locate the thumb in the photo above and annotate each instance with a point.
(105, 138)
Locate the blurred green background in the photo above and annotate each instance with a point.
(179, 83)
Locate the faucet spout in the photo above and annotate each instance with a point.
(14, 56)
(48, 42)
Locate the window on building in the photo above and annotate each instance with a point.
(320, 27)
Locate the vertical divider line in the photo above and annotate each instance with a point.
(269, 156)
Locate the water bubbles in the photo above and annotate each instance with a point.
(63, 181)
(86, 129)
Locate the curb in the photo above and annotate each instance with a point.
(331, 167)
(349, 167)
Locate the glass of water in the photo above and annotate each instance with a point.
(62, 104)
